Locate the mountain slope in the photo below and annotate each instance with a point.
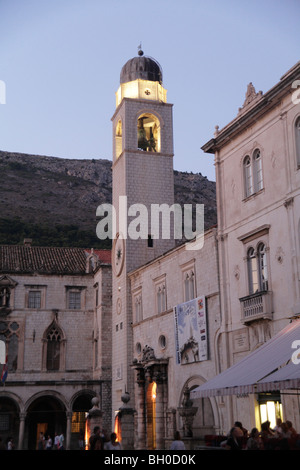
(54, 200)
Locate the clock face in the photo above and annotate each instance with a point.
(118, 254)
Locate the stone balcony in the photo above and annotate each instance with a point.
(256, 306)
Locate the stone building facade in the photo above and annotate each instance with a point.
(52, 328)
(258, 206)
(175, 278)
(152, 321)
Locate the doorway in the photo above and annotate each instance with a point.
(46, 414)
(151, 416)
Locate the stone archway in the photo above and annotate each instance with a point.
(205, 420)
(81, 404)
(47, 414)
(9, 419)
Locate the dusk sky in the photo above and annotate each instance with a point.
(60, 61)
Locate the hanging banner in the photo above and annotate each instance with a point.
(190, 331)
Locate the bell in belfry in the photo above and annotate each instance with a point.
(143, 143)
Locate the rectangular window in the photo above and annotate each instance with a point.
(74, 300)
(34, 299)
(161, 298)
(189, 286)
(138, 306)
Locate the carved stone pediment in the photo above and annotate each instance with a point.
(251, 97)
(6, 281)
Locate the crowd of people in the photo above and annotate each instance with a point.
(282, 437)
(45, 442)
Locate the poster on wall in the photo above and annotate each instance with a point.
(190, 331)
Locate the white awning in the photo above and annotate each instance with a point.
(267, 368)
(287, 377)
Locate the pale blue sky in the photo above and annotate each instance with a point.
(61, 62)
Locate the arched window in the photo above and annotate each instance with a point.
(161, 298)
(262, 267)
(257, 269)
(189, 286)
(252, 271)
(297, 138)
(257, 170)
(148, 133)
(248, 176)
(54, 337)
(118, 139)
(253, 175)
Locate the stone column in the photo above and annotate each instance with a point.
(95, 415)
(140, 418)
(68, 431)
(126, 414)
(21, 430)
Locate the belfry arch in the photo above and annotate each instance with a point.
(148, 133)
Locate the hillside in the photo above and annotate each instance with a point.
(54, 200)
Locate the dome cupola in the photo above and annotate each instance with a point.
(141, 67)
(141, 78)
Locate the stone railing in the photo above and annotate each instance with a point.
(257, 306)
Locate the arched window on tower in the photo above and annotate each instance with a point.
(118, 139)
(148, 133)
(297, 138)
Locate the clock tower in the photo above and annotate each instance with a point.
(142, 175)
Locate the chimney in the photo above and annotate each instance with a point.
(27, 241)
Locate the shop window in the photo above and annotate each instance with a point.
(270, 408)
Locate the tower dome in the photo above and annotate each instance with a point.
(143, 67)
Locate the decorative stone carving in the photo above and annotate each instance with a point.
(148, 354)
(251, 96)
(187, 413)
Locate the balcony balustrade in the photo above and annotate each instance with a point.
(257, 306)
